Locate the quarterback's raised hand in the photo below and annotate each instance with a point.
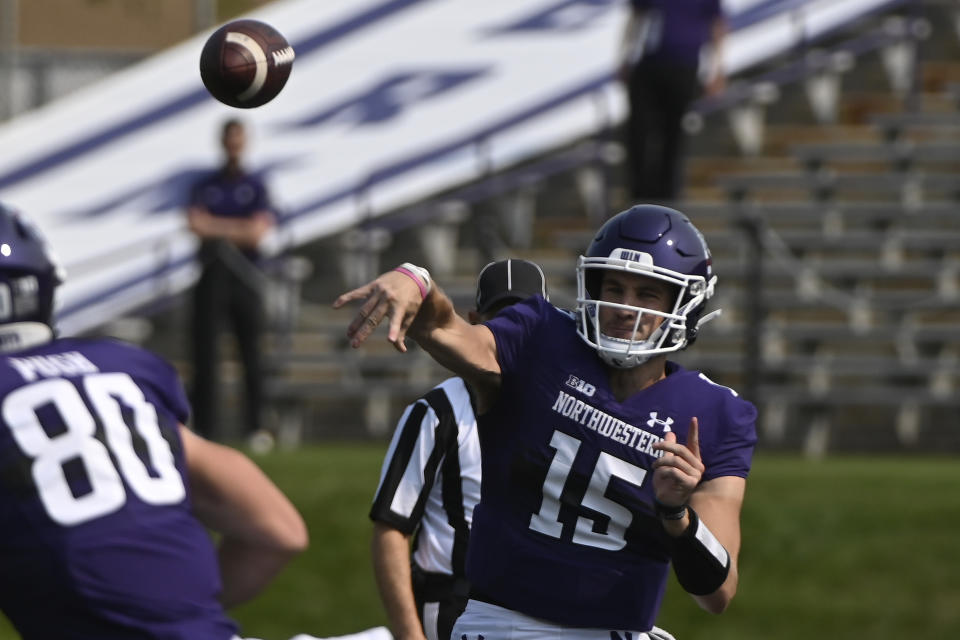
(392, 294)
(678, 472)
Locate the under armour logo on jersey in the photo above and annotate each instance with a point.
(582, 386)
(463, 636)
(653, 421)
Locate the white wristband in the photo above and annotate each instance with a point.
(421, 273)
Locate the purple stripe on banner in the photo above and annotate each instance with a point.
(762, 11)
(434, 154)
(100, 296)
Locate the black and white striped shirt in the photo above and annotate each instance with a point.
(431, 477)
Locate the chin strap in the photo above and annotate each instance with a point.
(716, 313)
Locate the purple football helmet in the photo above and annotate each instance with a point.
(654, 242)
(29, 272)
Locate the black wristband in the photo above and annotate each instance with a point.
(700, 561)
(669, 512)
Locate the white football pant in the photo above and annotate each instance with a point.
(481, 619)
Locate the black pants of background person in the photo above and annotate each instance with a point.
(659, 95)
(226, 296)
(443, 594)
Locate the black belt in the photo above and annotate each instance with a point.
(435, 587)
(480, 596)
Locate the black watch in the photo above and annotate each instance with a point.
(669, 512)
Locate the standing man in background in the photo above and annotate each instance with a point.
(230, 212)
(663, 45)
(430, 482)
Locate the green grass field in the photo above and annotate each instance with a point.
(834, 549)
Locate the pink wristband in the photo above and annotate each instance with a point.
(415, 278)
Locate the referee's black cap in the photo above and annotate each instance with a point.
(509, 281)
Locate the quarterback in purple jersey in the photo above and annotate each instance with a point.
(104, 495)
(604, 464)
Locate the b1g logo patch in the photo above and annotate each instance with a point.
(582, 386)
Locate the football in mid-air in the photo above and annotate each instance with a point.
(245, 63)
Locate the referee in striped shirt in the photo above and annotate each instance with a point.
(430, 482)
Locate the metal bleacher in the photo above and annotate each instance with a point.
(839, 277)
(860, 247)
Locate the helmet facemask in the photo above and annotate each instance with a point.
(671, 335)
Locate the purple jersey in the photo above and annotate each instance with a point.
(98, 540)
(678, 29)
(565, 530)
(230, 195)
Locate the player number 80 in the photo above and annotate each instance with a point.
(105, 391)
